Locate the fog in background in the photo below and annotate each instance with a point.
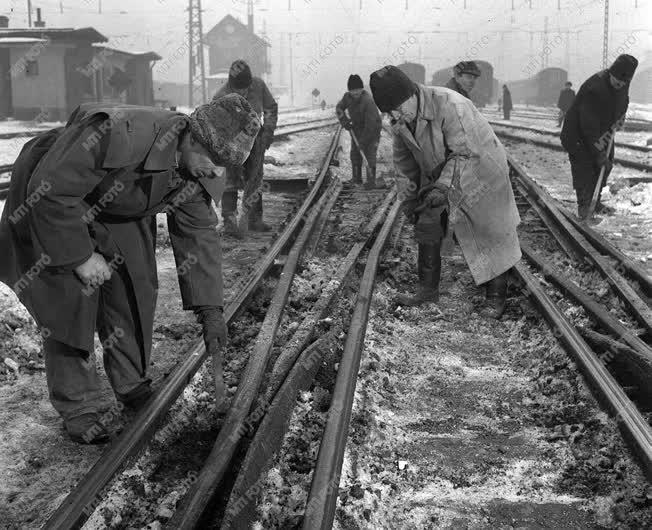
(332, 38)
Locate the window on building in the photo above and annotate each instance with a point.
(31, 68)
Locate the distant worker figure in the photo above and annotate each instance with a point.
(566, 98)
(365, 123)
(249, 177)
(457, 175)
(595, 115)
(323, 104)
(465, 75)
(507, 102)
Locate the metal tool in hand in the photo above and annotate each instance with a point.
(598, 185)
(355, 140)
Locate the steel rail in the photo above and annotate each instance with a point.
(640, 310)
(193, 505)
(79, 504)
(641, 166)
(640, 360)
(320, 507)
(633, 425)
(631, 124)
(294, 370)
(623, 145)
(635, 271)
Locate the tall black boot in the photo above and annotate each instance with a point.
(496, 296)
(357, 174)
(255, 216)
(371, 178)
(229, 213)
(429, 270)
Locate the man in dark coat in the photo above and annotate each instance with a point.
(78, 234)
(598, 111)
(249, 177)
(465, 75)
(507, 102)
(365, 123)
(566, 98)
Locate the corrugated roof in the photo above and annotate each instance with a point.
(145, 55)
(87, 34)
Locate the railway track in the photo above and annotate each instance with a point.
(619, 368)
(293, 369)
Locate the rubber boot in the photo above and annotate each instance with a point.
(429, 270)
(255, 217)
(582, 205)
(371, 178)
(357, 175)
(496, 297)
(229, 213)
(135, 399)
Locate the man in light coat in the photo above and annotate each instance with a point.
(458, 179)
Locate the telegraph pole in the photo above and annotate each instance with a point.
(545, 44)
(196, 68)
(605, 36)
(29, 13)
(291, 73)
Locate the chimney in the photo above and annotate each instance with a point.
(4, 22)
(39, 23)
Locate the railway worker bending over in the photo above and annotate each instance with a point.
(465, 75)
(458, 178)
(249, 177)
(596, 113)
(82, 257)
(365, 123)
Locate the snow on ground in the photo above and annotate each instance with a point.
(13, 126)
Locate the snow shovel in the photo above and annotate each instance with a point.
(598, 186)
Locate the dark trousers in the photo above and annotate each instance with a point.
(585, 177)
(249, 178)
(506, 113)
(73, 383)
(370, 150)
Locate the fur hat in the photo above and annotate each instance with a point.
(623, 67)
(227, 127)
(391, 87)
(467, 67)
(240, 74)
(355, 81)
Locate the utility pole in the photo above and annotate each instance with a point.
(605, 36)
(291, 73)
(544, 55)
(196, 69)
(29, 13)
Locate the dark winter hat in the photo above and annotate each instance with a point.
(467, 67)
(355, 81)
(391, 87)
(227, 127)
(240, 74)
(623, 67)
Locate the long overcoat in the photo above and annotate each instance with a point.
(96, 186)
(451, 132)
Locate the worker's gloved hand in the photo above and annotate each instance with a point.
(347, 124)
(213, 326)
(603, 160)
(409, 207)
(268, 138)
(438, 196)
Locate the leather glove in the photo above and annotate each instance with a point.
(268, 138)
(438, 196)
(213, 326)
(604, 160)
(409, 206)
(347, 124)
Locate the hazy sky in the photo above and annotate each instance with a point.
(332, 38)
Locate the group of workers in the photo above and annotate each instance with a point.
(81, 254)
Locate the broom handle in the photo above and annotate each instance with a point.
(355, 140)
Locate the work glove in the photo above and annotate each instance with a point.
(213, 326)
(603, 160)
(409, 207)
(437, 196)
(267, 138)
(347, 124)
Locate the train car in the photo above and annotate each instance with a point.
(549, 82)
(640, 89)
(415, 71)
(483, 93)
(523, 91)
